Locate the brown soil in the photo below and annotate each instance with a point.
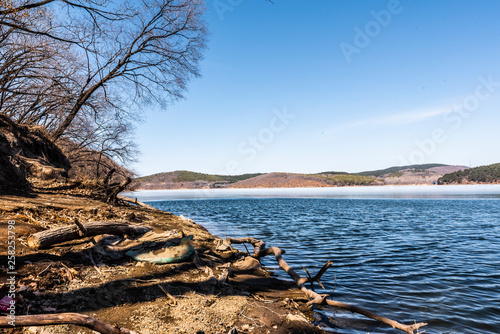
(148, 298)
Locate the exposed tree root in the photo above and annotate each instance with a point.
(64, 318)
(315, 298)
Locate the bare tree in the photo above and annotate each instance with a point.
(152, 47)
(14, 15)
(98, 140)
(38, 80)
(76, 67)
(154, 53)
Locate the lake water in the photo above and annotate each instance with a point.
(425, 254)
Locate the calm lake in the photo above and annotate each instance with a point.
(426, 254)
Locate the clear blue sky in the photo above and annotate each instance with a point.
(310, 86)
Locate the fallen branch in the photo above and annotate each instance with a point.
(172, 298)
(148, 238)
(47, 238)
(136, 202)
(315, 298)
(64, 318)
(83, 230)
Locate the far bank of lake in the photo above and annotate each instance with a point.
(414, 191)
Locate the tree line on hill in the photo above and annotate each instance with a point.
(482, 174)
(398, 175)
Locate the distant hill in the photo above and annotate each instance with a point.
(183, 179)
(400, 175)
(396, 169)
(482, 174)
(289, 180)
(413, 174)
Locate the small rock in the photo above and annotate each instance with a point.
(248, 263)
(292, 317)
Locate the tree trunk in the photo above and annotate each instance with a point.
(112, 191)
(47, 238)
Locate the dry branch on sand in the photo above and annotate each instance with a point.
(260, 250)
(64, 318)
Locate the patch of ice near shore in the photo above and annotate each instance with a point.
(418, 191)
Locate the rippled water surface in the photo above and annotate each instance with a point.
(429, 260)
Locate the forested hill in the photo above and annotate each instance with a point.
(414, 174)
(186, 179)
(482, 174)
(396, 169)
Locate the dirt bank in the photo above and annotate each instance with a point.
(148, 298)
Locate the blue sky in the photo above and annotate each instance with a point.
(310, 86)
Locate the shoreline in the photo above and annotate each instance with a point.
(385, 191)
(138, 295)
(335, 187)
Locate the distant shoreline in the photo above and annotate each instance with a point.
(372, 192)
(333, 186)
(427, 174)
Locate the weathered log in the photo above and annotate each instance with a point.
(315, 298)
(147, 238)
(47, 238)
(61, 319)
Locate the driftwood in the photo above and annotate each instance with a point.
(136, 202)
(63, 318)
(47, 238)
(146, 239)
(315, 298)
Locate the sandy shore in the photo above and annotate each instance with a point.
(148, 298)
